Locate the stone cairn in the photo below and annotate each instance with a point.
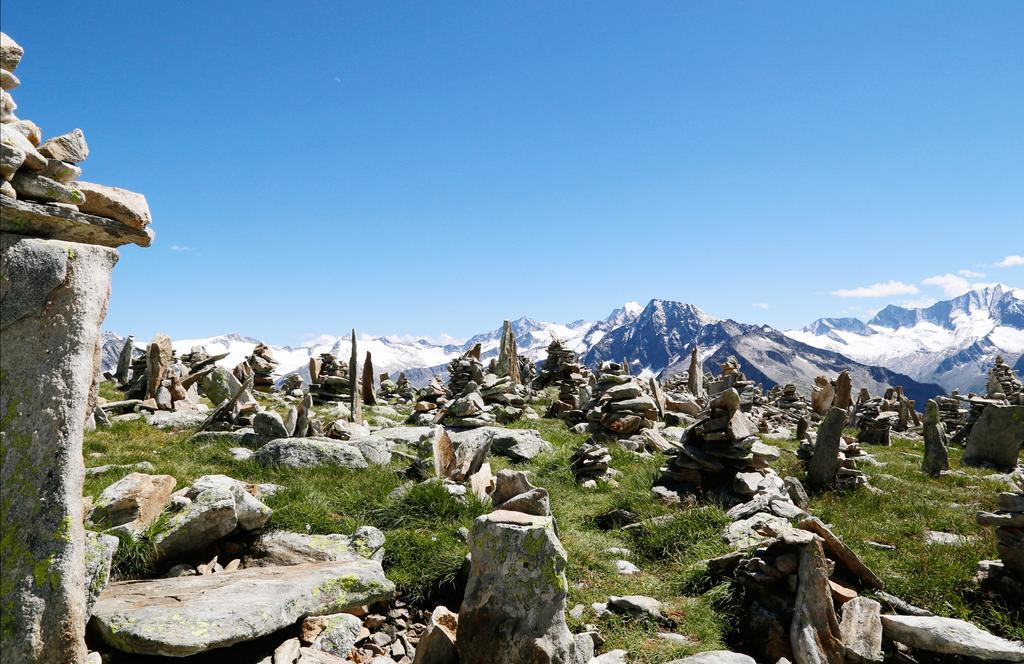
(951, 415)
(830, 459)
(262, 364)
(721, 456)
(1004, 384)
(1007, 574)
(430, 401)
(329, 379)
(874, 418)
(792, 406)
(158, 380)
(562, 368)
(590, 464)
(619, 407)
(58, 240)
(292, 385)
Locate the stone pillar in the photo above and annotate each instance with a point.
(356, 402)
(53, 297)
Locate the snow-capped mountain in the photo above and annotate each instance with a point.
(654, 339)
(952, 343)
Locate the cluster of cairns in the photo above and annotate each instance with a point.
(1006, 575)
(430, 402)
(156, 380)
(329, 379)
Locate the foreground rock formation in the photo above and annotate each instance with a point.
(56, 258)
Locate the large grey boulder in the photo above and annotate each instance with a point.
(191, 614)
(268, 425)
(996, 438)
(951, 637)
(53, 297)
(310, 453)
(217, 506)
(516, 444)
(513, 611)
(99, 552)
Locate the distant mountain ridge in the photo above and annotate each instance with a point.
(952, 343)
(655, 339)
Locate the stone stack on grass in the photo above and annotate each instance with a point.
(590, 464)
(263, 364)
(468, 410)
(465, 369)
(292, 385)
(429, 402)
(329, 379)
(950, 413)
(620, 407)
(1003, 383)
(875, 419)
(507, 397)
(720, 456)
(831, 460)
(563, 370)
(1007, 574)
(58, 240)
(732, 377)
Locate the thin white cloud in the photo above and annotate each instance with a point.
(970, 274)
(1011, 261)
(881, 289)
(951, 284)
(181, 247)
(762, 305)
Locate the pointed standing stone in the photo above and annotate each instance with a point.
(824, 465)
(508, 354)
(158, 360)
(844, 391)
(356, 403)
(369, 394)
(695, 379)
(124, 360)
(814, 633)
(936, 458)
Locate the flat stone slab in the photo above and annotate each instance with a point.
(58, 223)
(190, 614)
(952, 637)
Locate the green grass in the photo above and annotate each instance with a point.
(424, 552)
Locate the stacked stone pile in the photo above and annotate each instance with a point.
(465, 369)
(292, 385)
(720, 455)
(263, 364)
(620, 407)
(950, 414)
(562, 369)
(732, 377)
(329, 379)
(507, 397)
(590, 464)
(430, 401)
(1003, 383)
(831, 460)
(40, 185)
(874, 419)
(1006, 574)
(527, 371)
(468, 409)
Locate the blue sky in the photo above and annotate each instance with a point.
(432, 168)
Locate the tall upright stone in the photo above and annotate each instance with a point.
(514, 606)
(824, 465)
(356, 403)
(53, 298)
(124, 360)
(158, 359)
(936, 458)
(508, 354)
(369, 394)
(844, 391)
(695, 378)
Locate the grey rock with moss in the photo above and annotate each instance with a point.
(53, 297)
(283, 547)
(99, 552)
(339, 636)
(513, 611)
(192, 614)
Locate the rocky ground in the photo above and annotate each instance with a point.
(916, 532)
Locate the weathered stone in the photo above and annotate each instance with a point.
(951, 637)
(53, 297)
(61, 223)
(841, 553)
(821, 395)
(8, 81)
(158, 360)
(844, 391)
(125, 206)
(192, 614)
(10, 53)
(514, 606)
(310, 453)
(282, 547)
(695, 377)
(70, 147)
(996, 437)
(814, 633)
(444, 453)
(63, 172)
(41, 188)
(716, 657)
(355, 398)
(861, 630)
(437, 645)
(133, 502)
(268, 425)
(824, 464)
(516, 444)
(124, 360)
(637, 605)
(369, 393)
(508, 354)
(936, 458)
(339, 634)
(99, 551)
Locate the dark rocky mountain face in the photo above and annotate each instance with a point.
(657, 337)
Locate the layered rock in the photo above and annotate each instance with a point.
(619, 407)
(1006, 574)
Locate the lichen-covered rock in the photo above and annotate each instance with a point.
(191, 614)
(514, 606)
(53, 297)
(339, 634)
(283, 547)
(996, 438)
(99, 552)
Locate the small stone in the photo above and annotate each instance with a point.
(70, 147)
